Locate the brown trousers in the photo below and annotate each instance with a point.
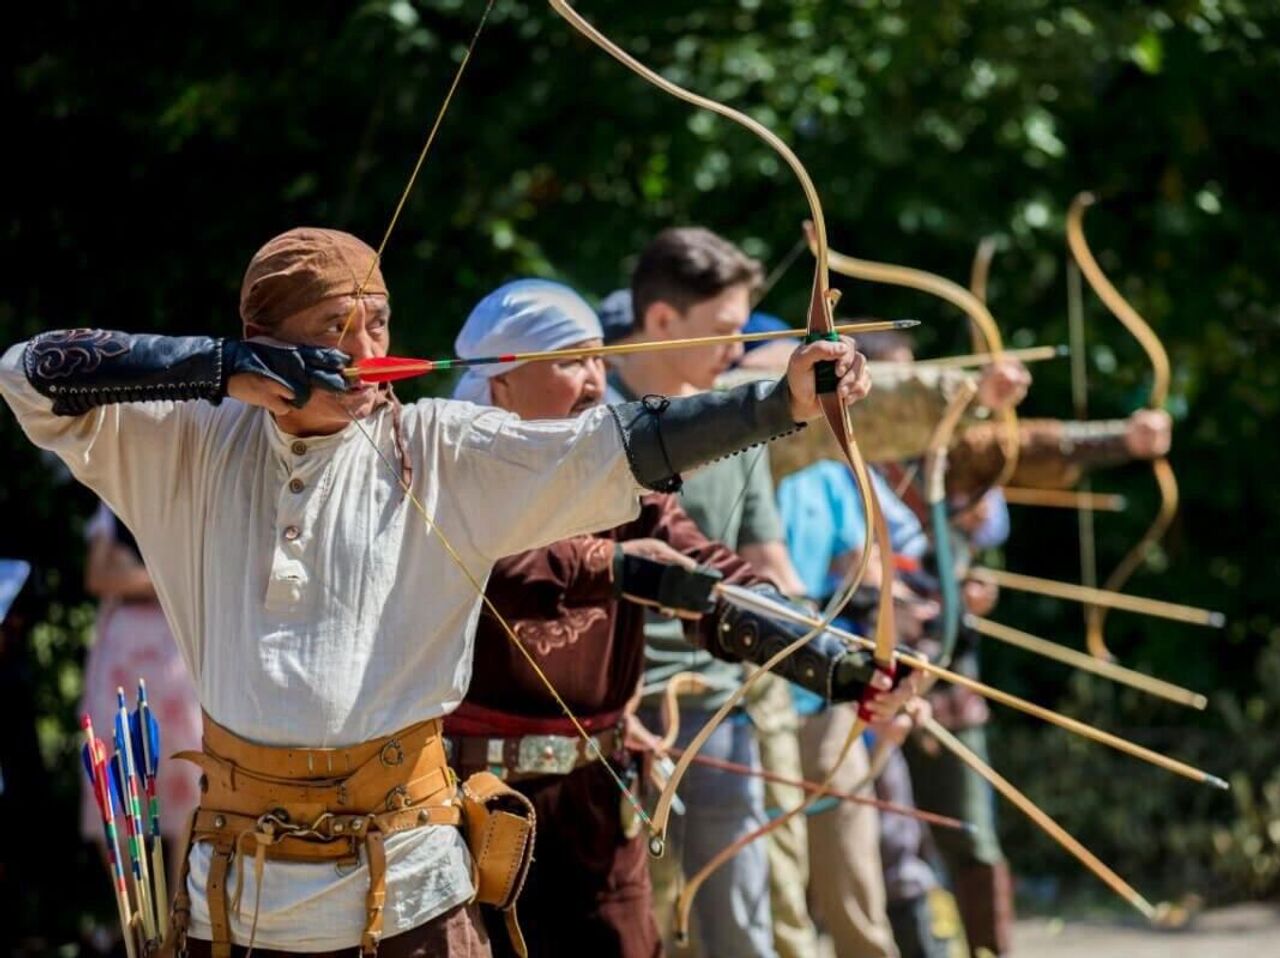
(458, 933)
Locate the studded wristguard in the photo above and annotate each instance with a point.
(667, 436)
(825, 665)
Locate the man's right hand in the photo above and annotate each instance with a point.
(1003, 384)
(1149, 434)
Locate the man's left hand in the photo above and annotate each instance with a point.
(853, 377)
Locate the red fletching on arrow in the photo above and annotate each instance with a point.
(94, 756)
(386, 369)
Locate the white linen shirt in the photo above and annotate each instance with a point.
(311, 602)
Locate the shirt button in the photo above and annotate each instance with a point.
(296, 485)
(292, 532)
(298, 448)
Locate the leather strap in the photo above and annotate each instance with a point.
(377, 896)
(219, 920)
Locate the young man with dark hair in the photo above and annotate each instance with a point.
(689, 282)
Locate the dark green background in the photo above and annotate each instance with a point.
(151, 148)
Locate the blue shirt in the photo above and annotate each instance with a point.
(823, 517)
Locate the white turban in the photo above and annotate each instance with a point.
(527, 315)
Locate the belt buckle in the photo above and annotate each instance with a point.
(547, 755)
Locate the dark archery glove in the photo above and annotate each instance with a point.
(687, 593)
(81, 369)
(297, 368)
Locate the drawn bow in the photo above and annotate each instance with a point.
(1095, 616)
(821, 325)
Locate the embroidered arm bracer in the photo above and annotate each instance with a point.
(825, 666)
(80, 369)
(667, 436)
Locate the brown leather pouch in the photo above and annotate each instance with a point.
(499, 824)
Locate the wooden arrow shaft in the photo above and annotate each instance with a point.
(1064, 499)
(746, 597)
(1041, 818)
(1086, 662)
(1103, 597)
(618, 349)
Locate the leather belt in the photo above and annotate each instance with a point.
(523, 757)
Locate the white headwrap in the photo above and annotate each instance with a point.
(527, 315)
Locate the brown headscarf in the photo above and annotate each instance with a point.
(298, 269)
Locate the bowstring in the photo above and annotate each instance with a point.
(593, 747)
(770, 281)
(417, 168)
(435, 530)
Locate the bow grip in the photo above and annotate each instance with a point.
(871, 693)
(824, 373)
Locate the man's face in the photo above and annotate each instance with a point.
(322, 325)
(552, 390)
(721, 315)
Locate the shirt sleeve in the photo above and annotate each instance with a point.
(760, 519)
(1052, 453)
(675, 527)
(135, 456)
(906, 534)
(102, 525)
(518, 485)
(824, 520)
(574, 571)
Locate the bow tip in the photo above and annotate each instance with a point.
(1217, 620)
(1219, 783)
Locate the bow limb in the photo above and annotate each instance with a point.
(885, 658)
(979, 315)
(682, 683)
(821, 323)
(1160, 378)
(935, 470)
(980, 273)
(684, 901)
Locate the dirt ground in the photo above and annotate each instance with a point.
(1241, 931)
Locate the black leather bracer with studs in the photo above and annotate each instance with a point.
(824, 665)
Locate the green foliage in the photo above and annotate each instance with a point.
(152, 151)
